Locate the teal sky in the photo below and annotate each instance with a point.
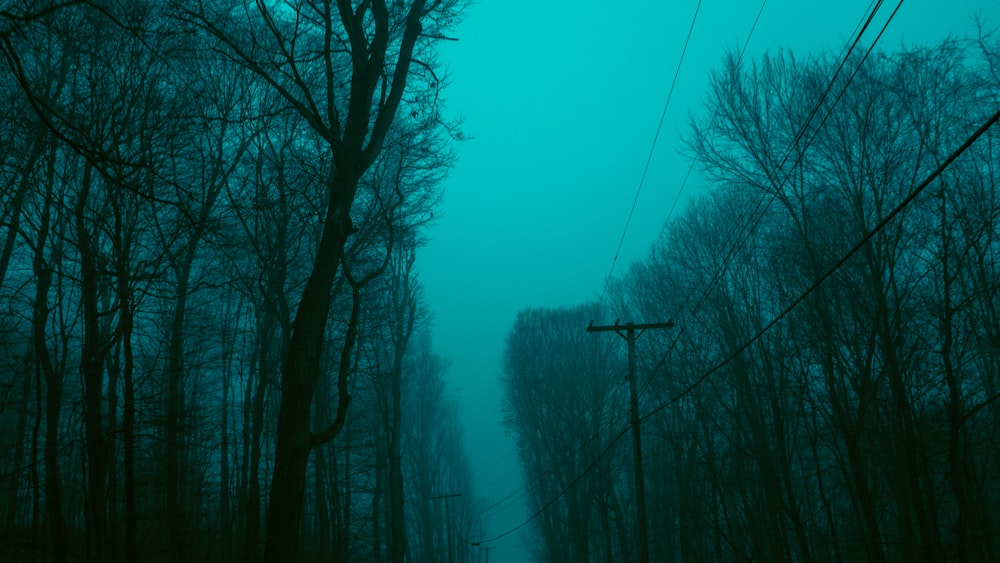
(561, 99)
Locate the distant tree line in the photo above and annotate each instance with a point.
(865, 425)
(213, 345)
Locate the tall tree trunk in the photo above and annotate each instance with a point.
(405, 303)
(175, 419)
(14, 514)
(323, 530)
(252, 507)
(298, 381)
(113, 369)
(397, 518)
(913, 469)
(225, 501)
(377, 499)
(92, 368)
(322, 510)
(125, 329)
(957, 473)
(355, 135)
(128, 438)
(36, 489)
(245, 454)
(53, 393)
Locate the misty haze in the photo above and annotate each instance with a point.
(460, 281)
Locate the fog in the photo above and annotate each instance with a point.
(561, 101)
(478, 280)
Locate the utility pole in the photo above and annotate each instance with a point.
(483, 548)
(447, 519)
(630, 332)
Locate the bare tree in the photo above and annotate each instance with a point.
(344, 69)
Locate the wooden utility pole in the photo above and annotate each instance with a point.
(483, 548)
(630, 332)
(447, 518)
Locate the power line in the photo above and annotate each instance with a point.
(566, 488)
(800, 133)
(896, 211)
(798, 137)
(519, 493)
(652, 148)
(758, 214)
(687, 175)
(739, 350)
(826, 275)
(508, 499)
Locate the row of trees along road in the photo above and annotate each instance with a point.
(209, 218)
(865, 426)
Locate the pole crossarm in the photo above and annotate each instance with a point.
(635, 326)
(624, 330)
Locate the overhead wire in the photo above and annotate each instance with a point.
(635, 200)
(564, 489)
(606, 426)
(845, 53)
(760, 209)
(508, 499)
(990, 122)
(687, 176)
(652, 149)
(750, 218)
(739, 350)
(788, 309)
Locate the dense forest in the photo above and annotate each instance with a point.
(213, 344)
(829, 390)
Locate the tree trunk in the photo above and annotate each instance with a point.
(225, 502)
(322, 510)
(298, 382)
(14, 517)
(377, 497)
(404, 303)
(175, 420)
(53, 393)
(270, 328)
(397, 517)
(92, 369)
(252, 506)
(125, 328)
(355, 143)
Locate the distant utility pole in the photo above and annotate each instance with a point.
(628, 331)
(447, 519)
(483, 548)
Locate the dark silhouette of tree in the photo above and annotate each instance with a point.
(344, 69)
(563, 400)
(862, 426)
(182, 202)
(828, 439)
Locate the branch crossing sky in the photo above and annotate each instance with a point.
(561, 100)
